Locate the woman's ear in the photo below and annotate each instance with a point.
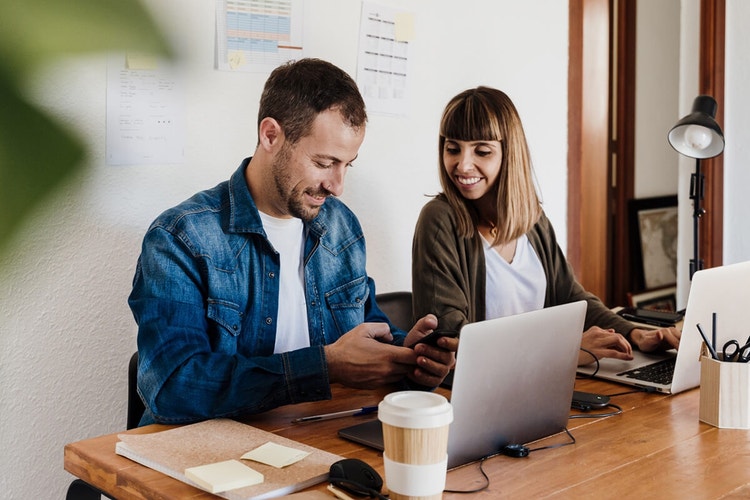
(270, 135)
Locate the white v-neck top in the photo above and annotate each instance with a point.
(515, 287)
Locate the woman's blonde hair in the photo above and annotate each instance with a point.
(487, 114)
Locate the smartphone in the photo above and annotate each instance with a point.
(432, 337)
(650, 317)
(588, 401)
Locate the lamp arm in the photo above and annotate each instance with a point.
(696, 194)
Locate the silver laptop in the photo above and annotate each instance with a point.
(513, 383)
(721, 290)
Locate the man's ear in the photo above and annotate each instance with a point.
(270, 135)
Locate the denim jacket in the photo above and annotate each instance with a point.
(205, 297)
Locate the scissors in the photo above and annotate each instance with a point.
(734, 352)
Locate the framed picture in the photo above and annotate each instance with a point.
(660, 299)
(653, 231)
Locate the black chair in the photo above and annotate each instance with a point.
(397, 306)
(80, 489)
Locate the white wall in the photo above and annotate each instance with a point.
(689, 59)
(657, 81)
(66, 332)
(736, 127)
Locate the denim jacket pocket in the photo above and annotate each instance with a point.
(227, 325)
(347, 304)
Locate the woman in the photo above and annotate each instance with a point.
(484, 248)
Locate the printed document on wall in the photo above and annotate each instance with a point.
(145, 112)
(257, 35)
(383, 62)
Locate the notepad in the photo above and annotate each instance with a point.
(223, 476)
(176, 450)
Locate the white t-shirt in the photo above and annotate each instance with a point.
(515, 287)
(288, 238)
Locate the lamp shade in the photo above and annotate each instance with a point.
(698, 135)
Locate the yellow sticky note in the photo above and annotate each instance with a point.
(138, 60)
(275, 455)
(236, 59)
(223, 476)
(404, 27)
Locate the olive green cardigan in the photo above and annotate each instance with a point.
(448, 272)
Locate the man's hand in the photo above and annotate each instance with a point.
(364, 357)
(653, 340)
(433, 363)
(604, 344)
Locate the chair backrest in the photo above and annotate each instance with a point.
(397, 306)
(135, 405)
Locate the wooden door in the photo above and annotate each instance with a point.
(601, 100)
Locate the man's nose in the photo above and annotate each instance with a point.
(335, 182)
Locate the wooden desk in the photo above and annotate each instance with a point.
(656, 448)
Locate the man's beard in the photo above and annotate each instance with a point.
(294, 198)
(298, 209)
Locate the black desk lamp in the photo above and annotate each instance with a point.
(698, 136)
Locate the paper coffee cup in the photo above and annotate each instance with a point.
(415, 435)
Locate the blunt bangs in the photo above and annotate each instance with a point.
(470, 117)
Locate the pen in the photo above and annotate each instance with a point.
(713, 331)
(708, 344)
(338, 493)
(365, 410)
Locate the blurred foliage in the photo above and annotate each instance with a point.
(37, 151)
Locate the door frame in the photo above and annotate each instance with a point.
(601, 140)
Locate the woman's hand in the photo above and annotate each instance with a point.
(604, 344)
(653, 340)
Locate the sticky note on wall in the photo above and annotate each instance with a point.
(138, 60)
(404, 26)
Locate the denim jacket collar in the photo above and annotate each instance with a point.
(247, 220)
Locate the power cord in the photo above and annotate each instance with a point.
(596, 360)
(558, 445)
(634, 391)
(618, 410)
(484, 474)
(515, 451)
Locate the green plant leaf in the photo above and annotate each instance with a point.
(36, 152)
(33, 32)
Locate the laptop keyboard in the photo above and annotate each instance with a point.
(659, 373)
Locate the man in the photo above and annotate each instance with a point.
(254, 294)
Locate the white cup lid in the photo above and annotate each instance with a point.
(415, 410)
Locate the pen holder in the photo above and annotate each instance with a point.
(725, 393)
